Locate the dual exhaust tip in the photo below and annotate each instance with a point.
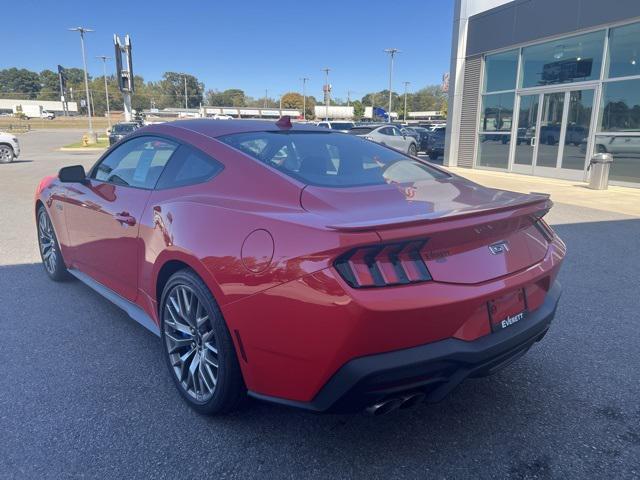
(389, 405)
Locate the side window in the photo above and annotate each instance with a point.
(396, 132)
(386, 131)
(136, 163)
(187, 167)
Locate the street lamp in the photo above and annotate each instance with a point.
(186, 103)
(406, 84)
(82, 31)
(391, 52)
(327, 93)
(304, 97)
(266, 95)
(104, 59)
(349, 92)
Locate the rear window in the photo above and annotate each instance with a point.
(341, 126)
(361, 130)
(120, 128)
(331, 159)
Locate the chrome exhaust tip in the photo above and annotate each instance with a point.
(411, 400)
(384, 407)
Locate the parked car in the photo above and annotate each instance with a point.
(386, 134)
(9, 147)
(340, 126)
(307, 268)
(423, 136)
(121, 130)
(434, 143)
(410, 132)
(219, 116)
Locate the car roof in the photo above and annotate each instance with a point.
(216, 128)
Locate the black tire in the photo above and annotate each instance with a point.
(413, 151)
(229, 390)
(7, 155)
(50, 253)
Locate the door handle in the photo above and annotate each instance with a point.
(124, 218)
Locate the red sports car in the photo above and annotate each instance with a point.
(303, 266)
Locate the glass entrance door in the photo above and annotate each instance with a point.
(550, 129)
(553, 133)
(576, 139)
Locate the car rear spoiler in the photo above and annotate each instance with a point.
(537, 205)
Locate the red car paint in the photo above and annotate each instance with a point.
(265, 244)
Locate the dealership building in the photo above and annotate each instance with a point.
(539, 86)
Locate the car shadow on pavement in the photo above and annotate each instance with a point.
(75, 367)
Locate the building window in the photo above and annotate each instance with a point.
(500, 71)
(497, 112)
(620, 110)
(493, 150)
(565, 60)
(624, 47)
(626, 156)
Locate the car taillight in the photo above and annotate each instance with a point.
(542, 226)
(384, 265)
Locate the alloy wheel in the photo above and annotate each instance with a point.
(190, 342)
(48, 248)
(6, 154)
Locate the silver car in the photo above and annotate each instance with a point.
(389, 135)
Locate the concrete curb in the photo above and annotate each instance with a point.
(82, 149)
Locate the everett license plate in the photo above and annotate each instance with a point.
(507, 310)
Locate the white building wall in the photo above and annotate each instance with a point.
(463, 9)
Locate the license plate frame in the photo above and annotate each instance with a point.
(507, 310)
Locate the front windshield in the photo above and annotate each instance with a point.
(331, 159)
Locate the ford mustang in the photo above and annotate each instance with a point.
(303, 266)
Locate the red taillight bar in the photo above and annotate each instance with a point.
(384, 265)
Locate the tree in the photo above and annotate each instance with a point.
(172, 90)
(19, 83)
(292, 100)
(49, 86)
(233, 97)
(358, 109)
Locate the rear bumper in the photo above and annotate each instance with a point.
(434, 369)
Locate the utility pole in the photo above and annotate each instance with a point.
(349, 92)
(304, 97)
(327, 93)
(82, 30)
(392, 52)
(281, 103)
(266, 95)
(406, 84)
(186, 103)
(104, 59)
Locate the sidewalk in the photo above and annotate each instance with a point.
(621, 200)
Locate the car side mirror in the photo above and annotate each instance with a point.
(73, 174)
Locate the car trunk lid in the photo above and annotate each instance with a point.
(471, 233)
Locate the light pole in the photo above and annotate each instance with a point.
(327, 93)
(406, 84)
(266, 95)
(349, 92)
(104, 59)
(82, 30)
(186, 103)
(392, 52)
(304, 97)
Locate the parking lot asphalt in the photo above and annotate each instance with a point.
(84, 390)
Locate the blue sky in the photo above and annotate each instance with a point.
(248, 44)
